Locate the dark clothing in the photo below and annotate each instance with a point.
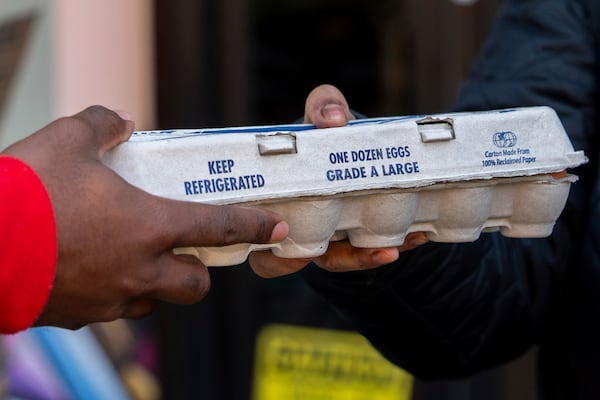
(450, 310)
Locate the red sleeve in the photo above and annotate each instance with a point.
(28, 246)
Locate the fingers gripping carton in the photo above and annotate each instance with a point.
(372, 182)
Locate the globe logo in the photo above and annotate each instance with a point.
(504, 139)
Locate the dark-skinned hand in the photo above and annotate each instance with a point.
(115, 241)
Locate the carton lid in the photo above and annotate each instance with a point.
(233, 165)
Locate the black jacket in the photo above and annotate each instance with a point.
(450, 310)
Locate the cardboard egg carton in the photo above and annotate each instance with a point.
(372, 182)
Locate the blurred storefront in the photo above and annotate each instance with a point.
(254, 62)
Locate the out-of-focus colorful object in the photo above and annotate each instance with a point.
(59, 364)
(294, 362)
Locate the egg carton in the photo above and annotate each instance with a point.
(371, 182)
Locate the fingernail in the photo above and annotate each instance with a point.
(333, 112)
(280, 232)
(123, 114)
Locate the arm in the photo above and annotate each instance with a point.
(449, 310)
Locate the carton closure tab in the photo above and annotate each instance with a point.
(435, 130)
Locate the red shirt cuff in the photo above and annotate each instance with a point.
(28, 250)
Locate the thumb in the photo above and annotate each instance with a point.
(326, 107)
(108, 128)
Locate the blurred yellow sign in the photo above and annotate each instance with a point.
(301, 363)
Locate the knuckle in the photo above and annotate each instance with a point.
(95, 108)
(97, 116)
(255, 227)
(98, 112)
(229, 226)
(71, 126)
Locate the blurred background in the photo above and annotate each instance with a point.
(210, 63)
